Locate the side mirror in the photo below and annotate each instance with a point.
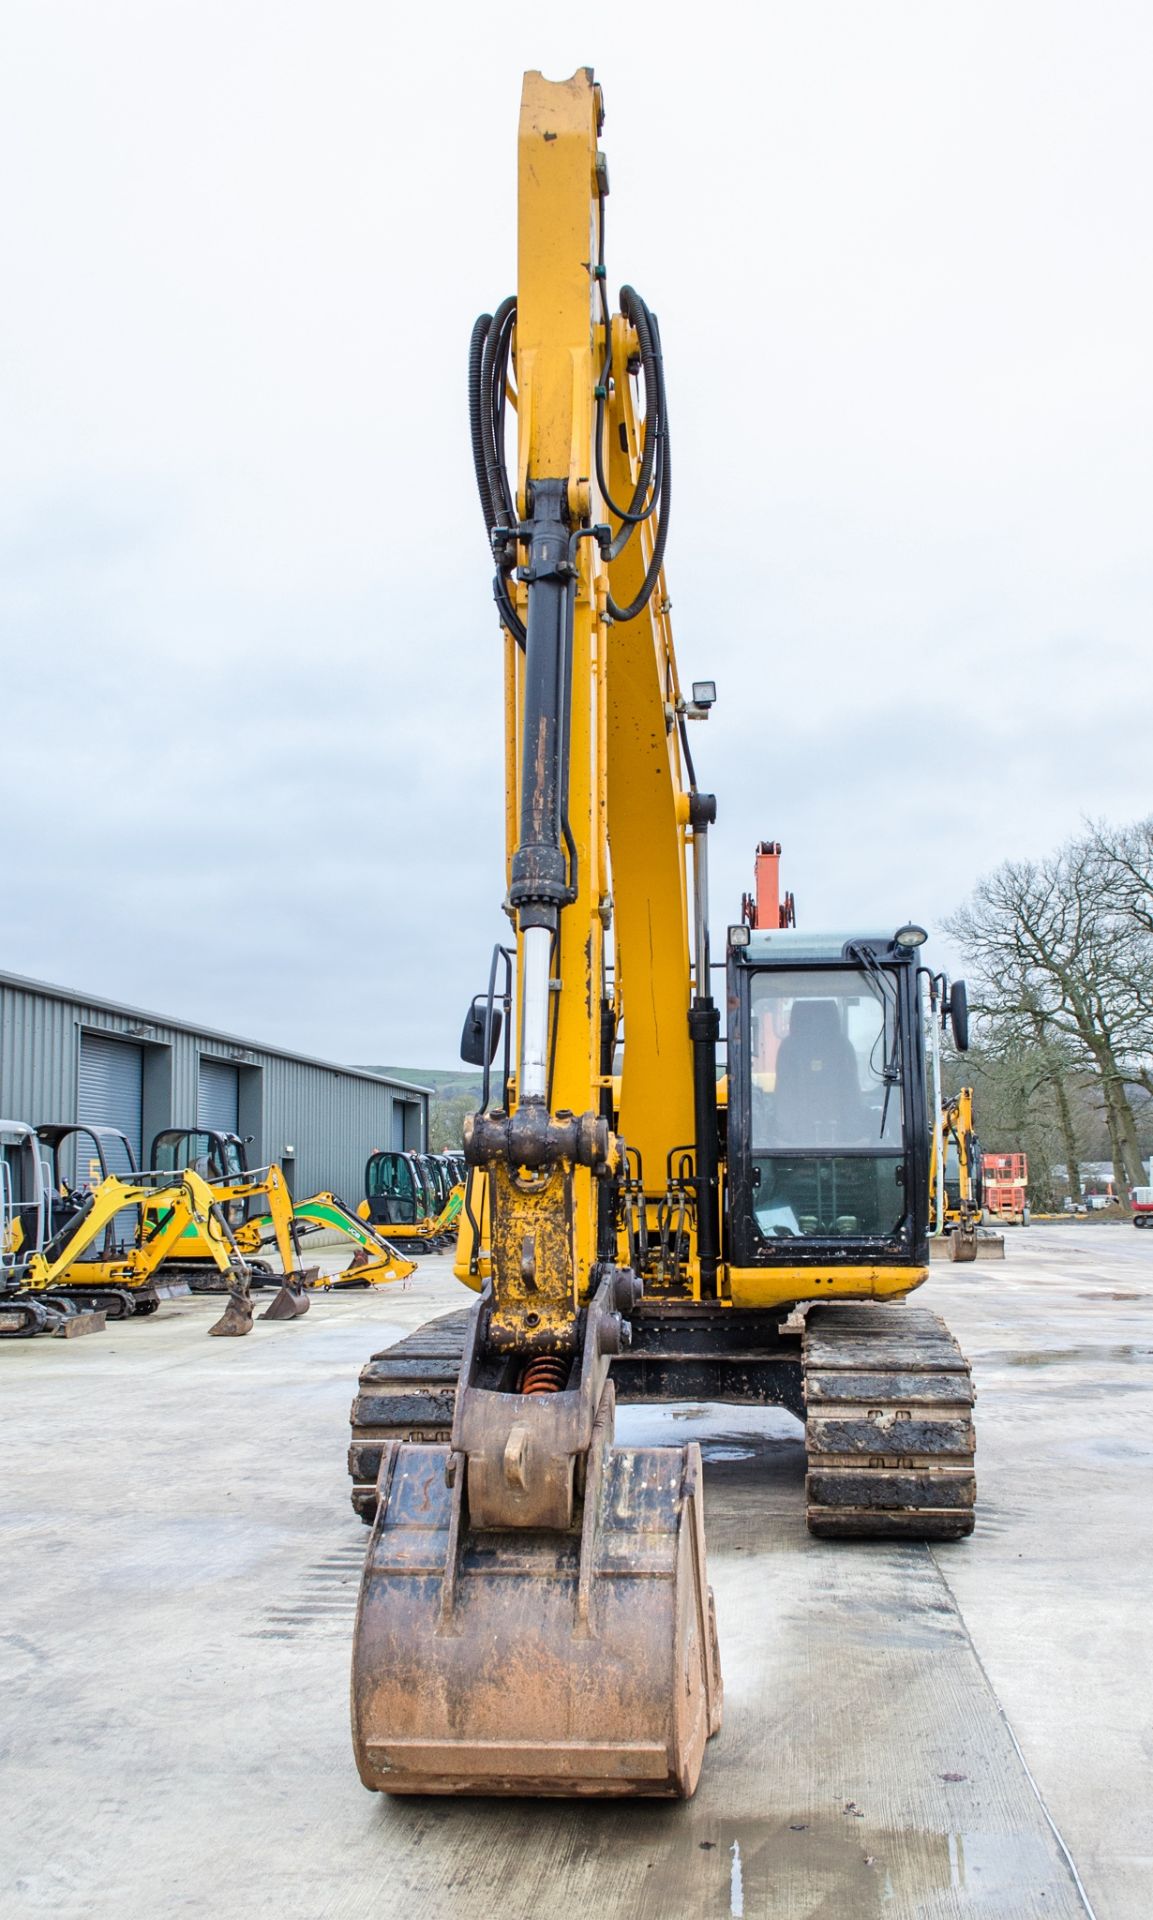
(959, 1015)
(472, 1037)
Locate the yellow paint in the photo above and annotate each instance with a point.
(554, 344)
(188, 1199)
(648, 805)
(628, 803)
(780, 1286)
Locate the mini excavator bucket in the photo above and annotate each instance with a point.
(494, 1656)
(236, 1318)
(291, 1299)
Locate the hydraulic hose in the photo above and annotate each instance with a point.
(488, 357)
(488, 367)
(475, 413)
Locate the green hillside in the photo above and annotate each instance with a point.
(456, 1091)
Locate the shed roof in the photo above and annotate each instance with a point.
(70, 995)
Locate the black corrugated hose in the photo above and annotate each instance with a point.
(488, 366)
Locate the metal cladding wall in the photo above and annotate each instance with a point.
(333, 1117)
(334, 1120)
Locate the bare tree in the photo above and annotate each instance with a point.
(1123, 870)
(1123, 859)
(1058, 964)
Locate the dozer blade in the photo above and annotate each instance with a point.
(536, 1662)
(236, 1318)
(292, 1299)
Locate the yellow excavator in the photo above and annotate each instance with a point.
(956, 1209)
(535, 1615)
(58, 1270)
(375, 1262)
(414, 1198)
(259, 1211)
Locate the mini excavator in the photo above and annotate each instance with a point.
(61, 1268)
(258, 1209)
(415, 1197)
(535, 1615)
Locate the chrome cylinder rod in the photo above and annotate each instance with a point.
(537, 961)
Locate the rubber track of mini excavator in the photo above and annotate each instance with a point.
(889, 1399)
(407, 1392)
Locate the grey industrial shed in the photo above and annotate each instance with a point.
(64, 1057)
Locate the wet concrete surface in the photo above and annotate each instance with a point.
(962, 1731)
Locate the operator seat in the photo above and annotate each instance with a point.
(818, 1093)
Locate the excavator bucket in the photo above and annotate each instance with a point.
(236, 1318)
(579, 1663)
(292, 1298)
(963, 1244)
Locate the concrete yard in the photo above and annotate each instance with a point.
(964, 1731)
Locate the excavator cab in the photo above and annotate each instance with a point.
(396, 1189)
(214, 1155)
(828, 1117)
(439, 1179)
(83, 1156)
(210, 1153)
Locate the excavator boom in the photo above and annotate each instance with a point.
(535, 1615)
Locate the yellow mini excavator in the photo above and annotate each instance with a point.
(376, 1262)
(535, 1615)
(414, 1198)
(256, 1205)
(62, 1269)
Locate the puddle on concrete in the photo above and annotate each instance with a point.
(759, 1444)
(852, 1871)
(669, 1863)
(1058, 1356)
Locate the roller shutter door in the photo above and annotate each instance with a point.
(111, 1086)
(218, 1097)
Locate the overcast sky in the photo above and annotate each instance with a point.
(900, 253)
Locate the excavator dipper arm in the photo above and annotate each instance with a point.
(535, 1615)
(173, 1207)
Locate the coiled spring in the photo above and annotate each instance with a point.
(546, 1374)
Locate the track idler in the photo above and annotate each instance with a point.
(496, 1655)
(23, 1318)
